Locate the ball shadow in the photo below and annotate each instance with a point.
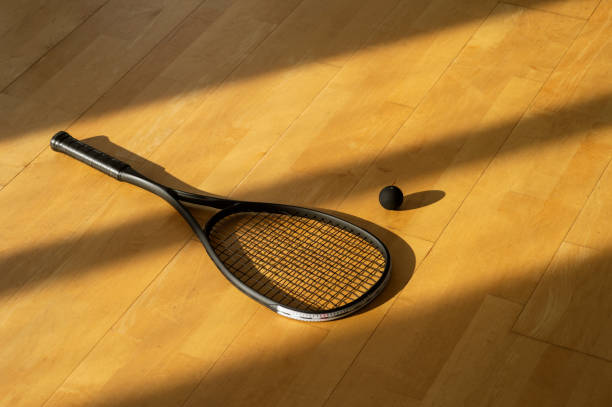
(420, 199)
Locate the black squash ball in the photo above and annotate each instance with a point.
(391, 197)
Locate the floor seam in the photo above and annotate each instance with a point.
(53, 47)
(561, 346)
(417, 267)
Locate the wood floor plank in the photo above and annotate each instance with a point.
(352, 116)
(47, 329)
(592, 228)
(310, 381)
(249, 116)
(500, 242)
(18, 123)
(450, 138)
(317, 127)
(82, 242)
(107, 299)
(574, 8)
(275, 354)
(191, 312)
(571, 305)
(253, 110)
(583, 74)
(254, 104)
(67, 80)
(493, 366)
(323, 127)
(29, 29)
(194, 314)
(139, 131)
(159, 95)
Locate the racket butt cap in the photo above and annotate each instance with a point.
(56, 140)
(65, 143)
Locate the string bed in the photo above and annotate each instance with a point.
(303, 263)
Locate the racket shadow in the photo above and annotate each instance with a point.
(142, 165)
(403, 259)
(252, 272)
(254, 276)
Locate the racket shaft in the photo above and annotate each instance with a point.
(65, 143)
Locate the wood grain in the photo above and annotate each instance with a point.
(571, 306)
(455, 131)
(137, 130)
(355, 117)
(192, 312)
(492, 366)
(574, 8)
(61, 249)
(499, 241)
(493, 117)
(592, 228)
(192, 357)
(63, 84)
(31, 28)
(311, 381)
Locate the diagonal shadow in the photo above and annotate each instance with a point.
(397, 158)
(452, 311)
(545, 127)
(592, 115)
(31, 266)
(582, 119)
(295, 42)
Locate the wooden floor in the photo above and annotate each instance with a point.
(495, 118)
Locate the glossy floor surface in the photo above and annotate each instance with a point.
(495, 118)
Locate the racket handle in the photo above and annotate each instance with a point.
(85, 153)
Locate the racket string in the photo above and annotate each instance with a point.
(304, 260)
(300, 262)
(358, 278)
(269, 264)
(349, 256)
(302, 280)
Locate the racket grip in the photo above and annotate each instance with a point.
(85, 153)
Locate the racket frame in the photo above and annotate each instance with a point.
(121, 171)
(325, 315)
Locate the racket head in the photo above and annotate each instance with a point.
(301, 263)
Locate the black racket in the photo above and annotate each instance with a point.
(301, 263)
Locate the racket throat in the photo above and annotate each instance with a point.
(210, 201)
